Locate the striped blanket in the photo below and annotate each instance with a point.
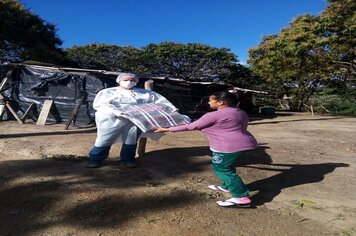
(149, 116)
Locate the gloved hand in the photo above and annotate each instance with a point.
(118, 113)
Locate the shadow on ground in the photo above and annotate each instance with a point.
(32, 189)
(287, 175)
(64, 132)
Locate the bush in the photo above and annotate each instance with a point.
(327, 101)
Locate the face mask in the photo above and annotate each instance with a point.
(127, 84)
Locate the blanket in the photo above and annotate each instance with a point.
(149, 116)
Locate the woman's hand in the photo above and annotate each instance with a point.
(161, 130)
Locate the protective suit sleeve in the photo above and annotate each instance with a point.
(102, 103)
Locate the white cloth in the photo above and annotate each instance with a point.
(110, 102)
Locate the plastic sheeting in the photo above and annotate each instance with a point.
(28, 85)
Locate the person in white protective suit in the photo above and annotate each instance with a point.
(111, 127)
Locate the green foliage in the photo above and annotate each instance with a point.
(292, 60)
(242, 76)
(25, 36)
(301, 203)
(340, 102)
(186, 61)
(189, 61)
(106, 57)
(338, 30)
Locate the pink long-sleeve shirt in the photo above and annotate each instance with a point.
(226, 130)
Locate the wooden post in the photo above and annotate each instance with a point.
(311, 109)
(2, 110)
(4, 103)
(142, 142)
(73, 115)
(27, 112)
(8, 106)
(44, 112)
(4, 81)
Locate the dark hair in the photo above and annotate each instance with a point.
(231, 99)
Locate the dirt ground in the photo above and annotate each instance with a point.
(301, 177)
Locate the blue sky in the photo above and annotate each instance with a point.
(235, 24)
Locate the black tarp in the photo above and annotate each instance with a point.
(28, 84)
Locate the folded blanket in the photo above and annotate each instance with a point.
(149, 116)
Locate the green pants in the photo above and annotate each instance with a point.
(224, 168)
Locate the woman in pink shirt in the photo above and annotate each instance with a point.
(229, 140)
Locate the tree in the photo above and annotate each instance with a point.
(25, 36)
(313, 51)
(338, 30)
(106, 57)
(188, 61)
(294, 60)
(242, 76)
